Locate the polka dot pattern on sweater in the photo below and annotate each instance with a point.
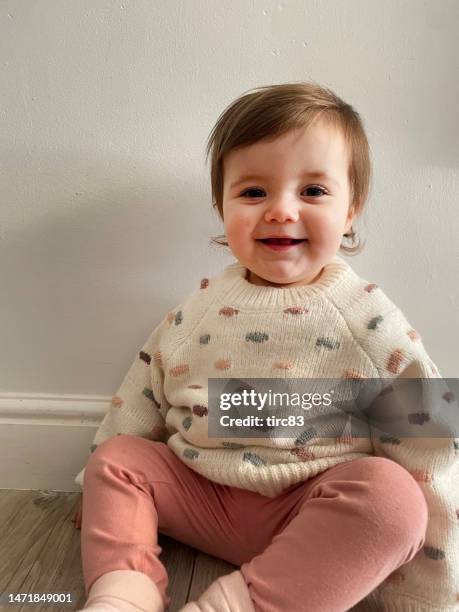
(179, 370)
(149, 393)
(303, 453)
(254, 459)
(222, 364)
(329, 343)
(227, 311)
(200, 410)
(256, 337)
(178, 318)
(375, 321)
(354, 332)
(190, 453)
(282, 365)
(296, 310)
(187, 422)
(145, 357)
(433, 553)
(395, 360)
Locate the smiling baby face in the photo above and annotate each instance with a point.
(271, 189)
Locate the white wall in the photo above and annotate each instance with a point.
(105, 197)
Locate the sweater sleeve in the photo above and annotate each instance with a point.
(139, 406)
(423, 424)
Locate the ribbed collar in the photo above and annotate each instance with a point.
(247, 295)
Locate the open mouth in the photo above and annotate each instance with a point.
(281, 244)
(282, 241)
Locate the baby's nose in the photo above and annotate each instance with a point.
(282, 209)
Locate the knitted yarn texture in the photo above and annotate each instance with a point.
(340, 327)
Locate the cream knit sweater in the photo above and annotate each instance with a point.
(340, 327)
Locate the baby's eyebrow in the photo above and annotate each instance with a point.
(315, 174)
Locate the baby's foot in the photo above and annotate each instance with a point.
(228, 593)
(124, 591)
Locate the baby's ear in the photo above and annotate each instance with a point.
(348, 224)
(351, 215)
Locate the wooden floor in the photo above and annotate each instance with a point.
(40, 553)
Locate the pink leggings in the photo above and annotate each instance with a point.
(322, 544)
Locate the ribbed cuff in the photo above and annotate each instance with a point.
(132, 586)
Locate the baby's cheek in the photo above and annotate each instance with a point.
(238, 224)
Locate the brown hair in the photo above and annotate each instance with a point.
(272, 110)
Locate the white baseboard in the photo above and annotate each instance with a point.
(45, 439)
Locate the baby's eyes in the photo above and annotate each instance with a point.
(311, 187)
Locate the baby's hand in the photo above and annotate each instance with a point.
(78, 514)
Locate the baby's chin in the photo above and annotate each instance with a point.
(281, 280)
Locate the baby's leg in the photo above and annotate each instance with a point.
(355, 525)
(134, 488)
(119, 526)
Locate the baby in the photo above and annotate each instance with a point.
(319, 520)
